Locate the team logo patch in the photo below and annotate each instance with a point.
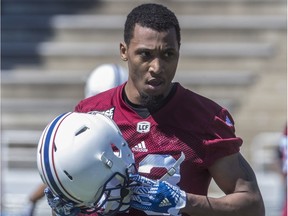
(109, 113)
(143, 127)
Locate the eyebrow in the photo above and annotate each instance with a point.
(150, 49)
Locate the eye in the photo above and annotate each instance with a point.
(144, 54)
(168, 54)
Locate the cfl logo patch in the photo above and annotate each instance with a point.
(143, 127)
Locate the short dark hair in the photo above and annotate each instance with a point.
(155, 16)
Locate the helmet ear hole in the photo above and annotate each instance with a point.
(115, 150)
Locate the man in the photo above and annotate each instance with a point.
(164, 123)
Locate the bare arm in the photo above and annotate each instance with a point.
(38, 193)
(237, 180)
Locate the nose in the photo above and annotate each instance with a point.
(155, 66)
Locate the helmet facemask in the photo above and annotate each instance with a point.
(115, 197)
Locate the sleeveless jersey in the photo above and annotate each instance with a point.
(188, 123)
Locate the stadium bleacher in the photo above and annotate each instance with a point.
(233, 51)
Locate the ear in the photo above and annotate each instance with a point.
(123, 51)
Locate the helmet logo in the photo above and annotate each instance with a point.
(143, 127)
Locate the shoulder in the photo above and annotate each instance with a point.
(202, 113)
(197, 99)
(196, 106)
(189, 111)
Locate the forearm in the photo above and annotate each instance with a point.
(236, 204)
(38, 193)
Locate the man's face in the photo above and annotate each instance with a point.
(152, 60)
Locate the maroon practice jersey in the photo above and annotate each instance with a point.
(188, 123)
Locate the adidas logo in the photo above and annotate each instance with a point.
(140, 147)
(164, 202)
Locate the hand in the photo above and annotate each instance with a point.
(60, 206)
(157, 196)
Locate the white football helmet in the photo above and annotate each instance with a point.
(83, 158)
(105, 77)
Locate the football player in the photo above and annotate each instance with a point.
(180, 140)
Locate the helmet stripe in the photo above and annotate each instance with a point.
(48, 170)
(48, 141)
(41, 142)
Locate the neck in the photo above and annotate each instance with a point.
(152, 103)
(135, 97)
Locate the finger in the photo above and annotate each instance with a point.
(57, 202)
(143, 200)
(141, 206)
(69, 209)
(140, 189)
(136, 205)
(141, 179)
(48, 193)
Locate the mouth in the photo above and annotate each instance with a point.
(155, 84)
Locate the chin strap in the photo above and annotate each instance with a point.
(172, 170)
